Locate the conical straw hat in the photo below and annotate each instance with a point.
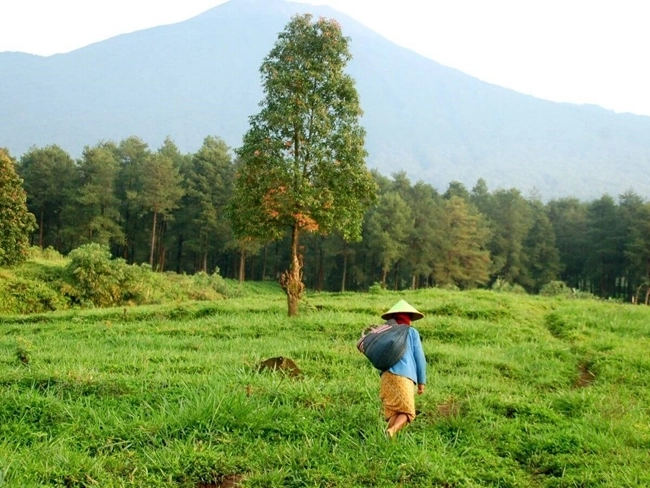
(403, 307)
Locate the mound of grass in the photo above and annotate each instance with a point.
(522, 392)
(89, 278)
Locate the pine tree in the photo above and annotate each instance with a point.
(541, 254)
(50, 180)
(98, 207)
(209, 178)
(462, 258)
(15, 221)
(568, 216)
(389, 226)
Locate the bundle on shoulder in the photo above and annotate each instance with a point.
(384, 344)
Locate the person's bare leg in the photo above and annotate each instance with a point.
(396, 423)
(391, 422)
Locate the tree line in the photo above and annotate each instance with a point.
(170, 209)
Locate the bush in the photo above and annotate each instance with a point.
(561, 289)
(214, 282)
(376, 288)
(555, 288)
(142, 286)
(48, 254)
(23, 351)
(19, 295)
(89, 276)
(449, 287)
(94, 278)
(501, 285)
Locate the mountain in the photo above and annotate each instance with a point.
(200, 77)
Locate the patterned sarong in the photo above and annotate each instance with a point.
(397, 393)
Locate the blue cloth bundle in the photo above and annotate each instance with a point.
(384, 345)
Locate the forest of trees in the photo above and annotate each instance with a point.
(170, 210)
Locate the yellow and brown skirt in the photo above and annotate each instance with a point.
(397, 394)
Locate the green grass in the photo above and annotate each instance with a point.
(522, 392)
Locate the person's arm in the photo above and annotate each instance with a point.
(420, 361)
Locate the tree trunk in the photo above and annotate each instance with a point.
(161, 246)
(179, 254)
(384, 272)
(40, 231)
(266, 250)
(321, 267)
(205, 255)
(242, 265)
(345, 270)
(291, 280)
(153, 238)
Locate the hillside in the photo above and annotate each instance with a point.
(200, 77)
(521, 392)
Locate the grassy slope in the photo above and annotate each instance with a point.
(44, 284)
(523, 391)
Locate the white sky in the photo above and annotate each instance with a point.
(580, 51)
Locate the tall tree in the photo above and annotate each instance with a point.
(480, 196)
(541, 255)
(160, 193)
(510, 219)
(15, 221)
(98, 212)
(457, 189)
(132, 153)
(569, 219)
(605, 246)
(389, 227)
(50, 180)
(462, 258)
(210, 178)
(632, 216)
(303, 166)
(426, 211)
(169, 227)
(637, 253)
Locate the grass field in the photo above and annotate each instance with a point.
(522, 392)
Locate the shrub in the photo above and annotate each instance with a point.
(141, 285)
(449, 287)
(16, 222)
(23, 351)
(376, 288)
(48, 254)
(89, 276)
(20, 295)
(559, 288)
(502, 285)
(555, 288)
(93, 277)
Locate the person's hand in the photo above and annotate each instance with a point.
(420, 389)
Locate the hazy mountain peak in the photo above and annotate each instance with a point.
(200, 77)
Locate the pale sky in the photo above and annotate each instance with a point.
(579, 51)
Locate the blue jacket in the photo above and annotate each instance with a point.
(412, 364)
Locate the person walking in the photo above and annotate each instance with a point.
(398, 383)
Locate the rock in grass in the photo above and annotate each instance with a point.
(286, 365)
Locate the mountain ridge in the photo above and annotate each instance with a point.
(200, 77)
